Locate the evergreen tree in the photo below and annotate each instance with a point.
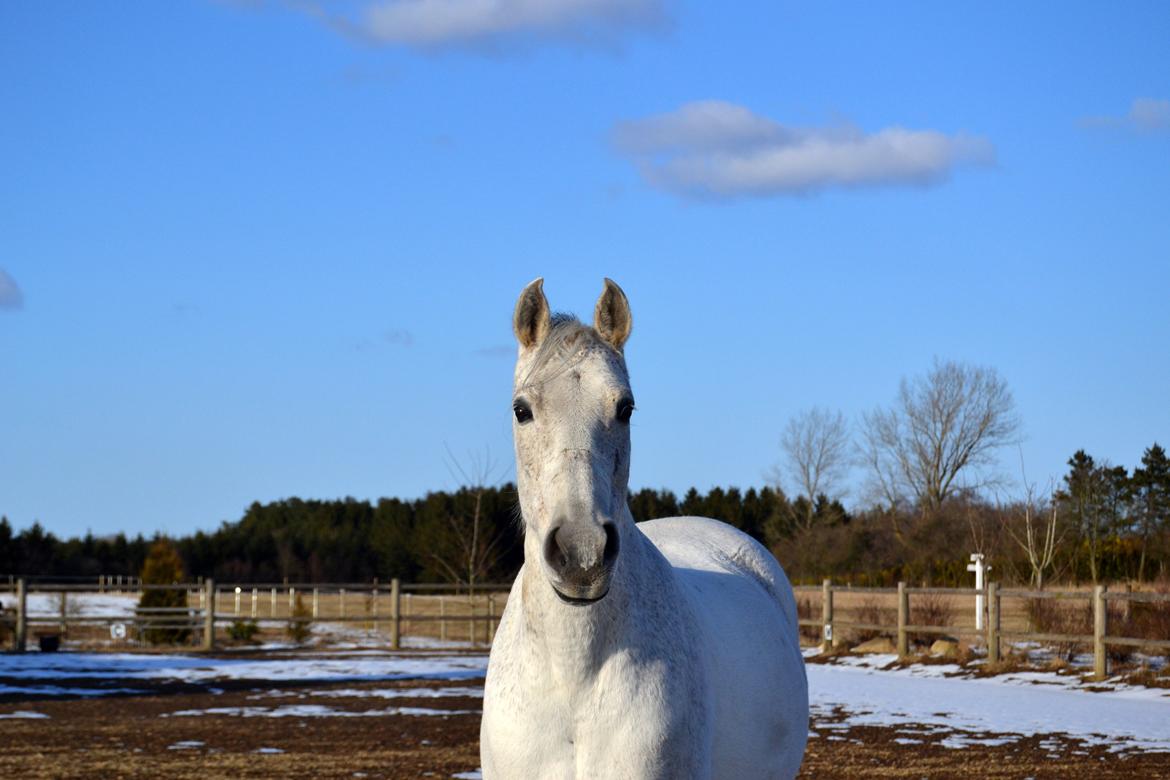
(163, 566)
(1151, 487)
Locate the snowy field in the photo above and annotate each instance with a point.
(854, 691)
(43, 605)
(922, 699)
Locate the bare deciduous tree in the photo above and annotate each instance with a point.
(1033, 526)
(815, 444)
(943, 425)
(466, 549)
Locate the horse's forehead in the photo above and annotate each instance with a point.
(589, 367)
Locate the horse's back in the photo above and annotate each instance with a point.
(744, 603)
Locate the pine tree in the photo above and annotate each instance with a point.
(163, 566)
(1151, 484)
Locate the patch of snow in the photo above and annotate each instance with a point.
(475, 774)
(399, 693)
(112, 605)
(313, 711)
(187, 744)
(57, 690)
(269, 750)
(22, 714)
(185, 668)
(961, 741)
(1131, 717)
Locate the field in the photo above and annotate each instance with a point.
(362, 712)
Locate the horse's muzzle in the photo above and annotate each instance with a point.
(579, 558)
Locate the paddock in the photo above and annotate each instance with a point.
(345, 704)
(362, 713)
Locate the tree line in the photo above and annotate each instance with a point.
(1102, 523)
(931, 496)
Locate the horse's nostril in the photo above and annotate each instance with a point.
(554, 554)
(612, 543)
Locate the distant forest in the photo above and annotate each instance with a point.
(1103, 523)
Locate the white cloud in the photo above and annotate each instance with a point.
(1147, 115)
(434, 23)
(10, 295)
(714, 149)
(1150, 114)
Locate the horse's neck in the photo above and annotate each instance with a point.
(574, 642)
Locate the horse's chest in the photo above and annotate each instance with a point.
(637, 718)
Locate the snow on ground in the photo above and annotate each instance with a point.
(397, 693)
(923, 699)
(314, 711)
(59, 690)
(195, 669)
(940, 699)
(41, 605)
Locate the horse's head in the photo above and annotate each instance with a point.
(572, 404)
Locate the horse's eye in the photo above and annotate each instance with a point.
(523, 412)
(625, 408)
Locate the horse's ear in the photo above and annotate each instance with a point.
(612, 318)
(531, 320)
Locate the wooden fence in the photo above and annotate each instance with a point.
(990, 628)
(210, 607)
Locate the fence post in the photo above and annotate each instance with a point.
(442, 618)
(826, 615)
(487, 629)
(209, 615)
(993, 622)
(395, 614)
(374, 606)
(315, 603)
(491, 632)
(1100, 626)
(903, 617)
(21, 635)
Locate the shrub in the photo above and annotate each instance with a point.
(1054, 616)
(241, 631)
(1141, 620)
(870, 611)
(805, 611)
(299, 628)
(163, 566)
(929, 609)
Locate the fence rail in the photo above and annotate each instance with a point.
(209, 607)
(988, 624)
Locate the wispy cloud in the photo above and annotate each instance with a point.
(714, 149)
(441, 23)
(11, 297)
(1145, 115)
(395, 337)
(497, 351)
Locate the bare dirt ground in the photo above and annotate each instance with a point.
(363, 733)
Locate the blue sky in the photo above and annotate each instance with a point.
(255, 250)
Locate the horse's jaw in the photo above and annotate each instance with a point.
(575, 639)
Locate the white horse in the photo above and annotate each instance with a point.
(666, 649)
